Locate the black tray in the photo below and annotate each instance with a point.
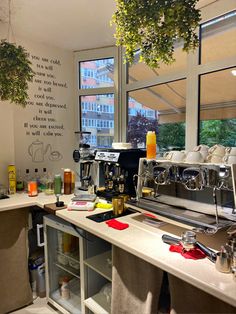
(109, 215)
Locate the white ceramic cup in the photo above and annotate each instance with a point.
(214, 158)
(201, 148)
(174, 155)
(217, 150)
(230, 151)
(194, 157)
(229, 159)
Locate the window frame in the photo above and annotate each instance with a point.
(121, 88)
(91, 55)
(192, 75)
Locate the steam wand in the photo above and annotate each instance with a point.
(215, 203)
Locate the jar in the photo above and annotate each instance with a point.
(67, 181)
(151, 145)
(65, 291)
(32, 188)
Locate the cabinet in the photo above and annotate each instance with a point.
(83, 261)
(99, 299)
(63, 257)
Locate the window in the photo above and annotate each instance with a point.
(184, 100)
(218, 38)
(159, 108)
(96, 123)
(217, 97)
(218, 108)
(140, 71)
(96, 73)
(97, 91)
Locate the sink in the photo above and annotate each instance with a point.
(100, 217)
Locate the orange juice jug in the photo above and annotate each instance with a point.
(151, 145)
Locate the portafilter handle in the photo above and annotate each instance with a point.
(209, 253)
(170, 240)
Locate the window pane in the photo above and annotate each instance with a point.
(218, 38)
(160, 108)
(96, 73)
(218, 108)
(97, 117)
(140, 71)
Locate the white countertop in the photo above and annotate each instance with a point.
(145, 242)
(21, 200)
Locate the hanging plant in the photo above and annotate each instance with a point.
(154, 26)
(15, 73)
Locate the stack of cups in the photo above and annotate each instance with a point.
(216, 154)
(230, 155)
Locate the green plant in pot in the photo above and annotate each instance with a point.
(154, 26)
(15, 73)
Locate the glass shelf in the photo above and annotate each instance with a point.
(98, 304)
(73, 304)
(102, 264)
(70, 270)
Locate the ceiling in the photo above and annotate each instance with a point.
(72, 25)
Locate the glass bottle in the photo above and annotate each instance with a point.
(57, 184)
(43, 180)
(67, 181)
(151, 145)
(26, 180)
(19, 182)
(72, 181)
(37, 178)
(49, 185)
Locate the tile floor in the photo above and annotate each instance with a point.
(39, 306)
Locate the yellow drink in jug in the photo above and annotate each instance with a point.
(151, 145)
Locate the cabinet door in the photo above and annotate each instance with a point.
(63, 267)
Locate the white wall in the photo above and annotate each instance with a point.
(40, 135)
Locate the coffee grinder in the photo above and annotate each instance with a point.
(84, 156)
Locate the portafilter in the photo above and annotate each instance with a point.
(188, 241)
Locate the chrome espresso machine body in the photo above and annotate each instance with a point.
(200, 196)
(115, 171)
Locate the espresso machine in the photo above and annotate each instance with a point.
(199, 196)
(115, 171)
(84, 156)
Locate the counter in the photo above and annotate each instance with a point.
(145, 242)
(22, 200)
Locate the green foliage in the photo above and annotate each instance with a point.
(138, 127)
(154, 26)
(15, 73)
(218, 132)
(171, 136)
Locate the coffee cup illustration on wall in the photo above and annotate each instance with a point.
(37, 150)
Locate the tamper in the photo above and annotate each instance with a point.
(59, 203)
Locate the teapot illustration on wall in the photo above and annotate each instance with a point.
(37, 150)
